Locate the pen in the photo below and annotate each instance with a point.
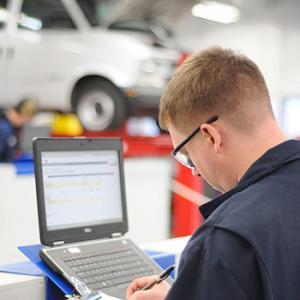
(162, 276)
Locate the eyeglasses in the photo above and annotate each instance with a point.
(182, 158)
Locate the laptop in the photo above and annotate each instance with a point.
(82, 213)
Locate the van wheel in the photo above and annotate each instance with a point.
(99, 105)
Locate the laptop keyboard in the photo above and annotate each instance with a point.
(107, 268)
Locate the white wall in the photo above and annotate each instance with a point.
(148, 203)
(268, 34)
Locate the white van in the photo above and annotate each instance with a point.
(51, 50)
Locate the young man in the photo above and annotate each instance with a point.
(217, 110)
(11, 121)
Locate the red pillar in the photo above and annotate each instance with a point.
(185, 214)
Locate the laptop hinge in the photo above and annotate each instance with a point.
(58, 243)
(116, 234)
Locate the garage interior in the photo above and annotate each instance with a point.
(97, 69)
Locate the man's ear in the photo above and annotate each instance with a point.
(212, 135)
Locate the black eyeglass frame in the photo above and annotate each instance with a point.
(188, 138)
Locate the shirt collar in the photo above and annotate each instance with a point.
(270, 161)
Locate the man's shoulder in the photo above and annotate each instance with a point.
(219, 246)
(261, 209)
(226, 225)
(208, 236)
(226, 256)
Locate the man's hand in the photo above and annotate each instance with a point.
(157, 292)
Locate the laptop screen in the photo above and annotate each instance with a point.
(81, 188)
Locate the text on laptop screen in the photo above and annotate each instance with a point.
(81, 188)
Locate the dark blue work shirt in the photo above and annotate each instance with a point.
(249, 245)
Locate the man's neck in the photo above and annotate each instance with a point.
(255, 146)
(245, 149)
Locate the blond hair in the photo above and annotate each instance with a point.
(27, 106)
(215, 82)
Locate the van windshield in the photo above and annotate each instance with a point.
(3, 13)
(98, 12)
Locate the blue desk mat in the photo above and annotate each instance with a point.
(32, 252)
(24, 165)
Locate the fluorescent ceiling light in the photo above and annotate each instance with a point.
(216, 11)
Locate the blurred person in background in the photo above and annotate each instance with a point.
(11, 122)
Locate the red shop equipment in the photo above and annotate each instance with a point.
(186, 197)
